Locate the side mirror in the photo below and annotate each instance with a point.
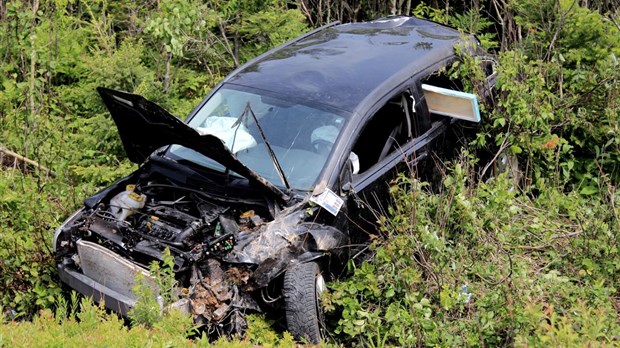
(354, 160)
(351, 168)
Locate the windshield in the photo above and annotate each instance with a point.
(301, 136)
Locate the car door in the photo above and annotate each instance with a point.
(388, 143)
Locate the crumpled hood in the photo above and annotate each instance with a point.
(145, 126)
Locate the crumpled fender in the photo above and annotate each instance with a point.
(318, 237)
(313, 241)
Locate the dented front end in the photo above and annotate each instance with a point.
(226, 253)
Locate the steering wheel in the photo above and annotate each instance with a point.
(321, 146)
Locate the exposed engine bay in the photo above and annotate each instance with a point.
(141, 221)
(228, 252)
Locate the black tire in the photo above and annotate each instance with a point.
(301, 302)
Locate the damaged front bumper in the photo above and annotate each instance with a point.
(213, 300)
(114, 300)
(105, 276)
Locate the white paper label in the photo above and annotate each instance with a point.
(329, 201)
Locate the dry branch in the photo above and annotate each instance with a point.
(19, 158)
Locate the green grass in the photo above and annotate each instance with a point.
(92, 326)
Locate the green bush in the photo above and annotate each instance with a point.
(484, 264)
(27, 274)
(556, 102)
(93, 325)
(156, 293)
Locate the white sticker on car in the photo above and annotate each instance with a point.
(329, 201)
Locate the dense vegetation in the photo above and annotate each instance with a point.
(527, 257)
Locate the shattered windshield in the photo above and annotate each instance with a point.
(301, 136)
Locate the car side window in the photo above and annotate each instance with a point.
(387, 130)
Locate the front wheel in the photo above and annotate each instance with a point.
(303, 285)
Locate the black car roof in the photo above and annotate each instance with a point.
(342, 65)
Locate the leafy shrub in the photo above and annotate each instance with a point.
(261, 333)
(92, 324)
(27, 274)
(155, 293)
(556, 102)
(481, 265)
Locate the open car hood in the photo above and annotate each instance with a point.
(145, 126)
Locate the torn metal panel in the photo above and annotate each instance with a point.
(261, 244)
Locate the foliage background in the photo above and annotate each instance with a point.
(529, 257)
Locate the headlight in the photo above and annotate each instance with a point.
(59, 229)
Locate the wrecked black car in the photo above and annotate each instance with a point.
(274, 178)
